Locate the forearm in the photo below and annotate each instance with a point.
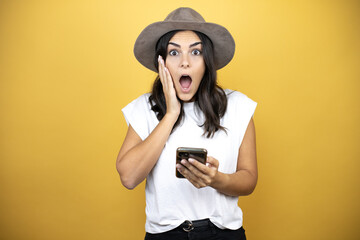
(137, 162)
(241, 183)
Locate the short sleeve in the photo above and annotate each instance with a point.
(246, 110)
(139, 115)
(251, 106)
(242, 110)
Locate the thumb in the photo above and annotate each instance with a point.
(212, 162)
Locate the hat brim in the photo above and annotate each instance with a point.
(224, 44)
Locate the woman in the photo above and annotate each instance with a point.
(187, 108)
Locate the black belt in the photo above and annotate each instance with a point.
(188, 225)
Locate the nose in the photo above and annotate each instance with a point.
(184, 61)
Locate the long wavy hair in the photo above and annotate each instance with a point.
(210, 97)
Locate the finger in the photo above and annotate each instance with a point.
(190, 176)
(170, 83)
(212, 162)
(198, 165)
(193, 169)
(197, 181)
(184, 171)
(168, 77)
(162, 74)
(161, 71)
(180, 168)
(184, 167)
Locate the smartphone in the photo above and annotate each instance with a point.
(199, 154)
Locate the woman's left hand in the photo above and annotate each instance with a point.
(199, 174)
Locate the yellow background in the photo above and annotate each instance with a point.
(67, 68)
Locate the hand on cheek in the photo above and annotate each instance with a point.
(172, 103)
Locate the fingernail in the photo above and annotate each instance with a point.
(191, 160)
(183, 161)
(159, 58)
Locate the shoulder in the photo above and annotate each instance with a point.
(138, 113)
(139, 106)
(236, 97)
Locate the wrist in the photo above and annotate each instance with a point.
(171, 117)
(174, 112)
(219, 180)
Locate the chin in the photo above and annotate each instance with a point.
(186, 97)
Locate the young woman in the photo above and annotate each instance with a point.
(187, 108)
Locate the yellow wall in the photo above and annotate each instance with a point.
(67, 68)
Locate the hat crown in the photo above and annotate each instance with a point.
(184, 15)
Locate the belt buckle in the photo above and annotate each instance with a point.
(189, 226)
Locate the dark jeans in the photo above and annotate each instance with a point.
(198, 230)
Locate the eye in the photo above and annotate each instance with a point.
(173, 53)
(196, 52)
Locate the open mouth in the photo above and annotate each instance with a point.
(185, 82)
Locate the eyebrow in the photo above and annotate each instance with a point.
(191, 45)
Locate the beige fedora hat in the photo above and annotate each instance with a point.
(184, 19)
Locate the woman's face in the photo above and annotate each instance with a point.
(185, 63)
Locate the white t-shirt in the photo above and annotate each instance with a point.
(171, 200)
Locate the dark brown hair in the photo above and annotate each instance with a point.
(210, 98)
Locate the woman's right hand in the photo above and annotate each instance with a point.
(172, 103)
